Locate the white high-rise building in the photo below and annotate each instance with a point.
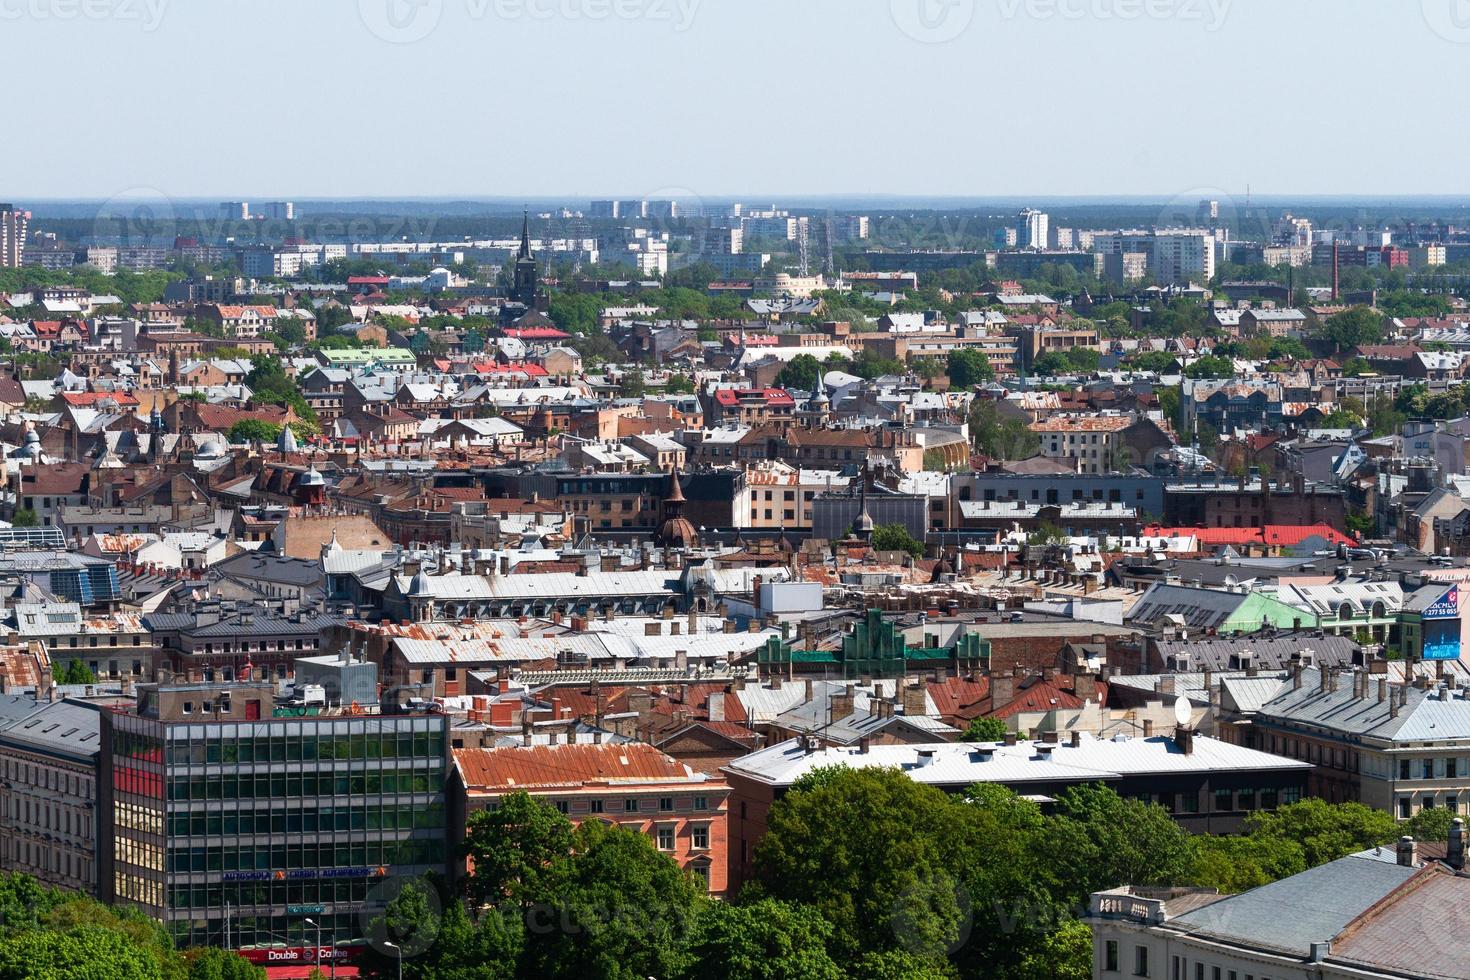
(1183, 255)
(1176, 256)
(13, 224)
(1031, 229)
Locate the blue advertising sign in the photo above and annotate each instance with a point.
(1446, 606)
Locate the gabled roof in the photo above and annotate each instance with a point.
(1291, 914)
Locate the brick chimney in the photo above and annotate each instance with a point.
(842, 704)
(915, 702)
(1002, 690)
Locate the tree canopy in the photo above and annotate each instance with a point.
(1353, 327)
(968, 367)
(896, 537)
(802, 373)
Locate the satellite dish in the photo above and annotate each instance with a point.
(1183, 713)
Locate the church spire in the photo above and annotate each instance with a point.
(525, 252)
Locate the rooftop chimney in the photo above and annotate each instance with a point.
(1408, 852)
(1455, 855)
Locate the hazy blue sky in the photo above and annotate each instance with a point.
(302, 98)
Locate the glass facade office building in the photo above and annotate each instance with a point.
(235, 832)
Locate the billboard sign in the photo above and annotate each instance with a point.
(1446, 606)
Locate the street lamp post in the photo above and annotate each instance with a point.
(317, 958)
(398, 953)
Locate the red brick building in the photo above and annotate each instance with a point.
(633, 785)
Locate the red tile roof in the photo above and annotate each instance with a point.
(565, 766)
(1275, 535)
(86, 399)
(536, 333)
(775, 397)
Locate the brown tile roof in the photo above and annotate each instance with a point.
(220, 418)
(1090, 423)
(546, 767)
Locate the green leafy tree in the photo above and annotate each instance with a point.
(253, 430)
(1047, 533)
(1155, 361)
(924, 368)
(619, 910)
(802, 373)
(968, 367)
(1063, 954)
(869, 364)
(210, 963)
(1354, 327)
(1237, 864)
(985, 730)
(270, 383)
(998, 437)
(24, 902)
(25, 517)
(861, 847)
(633, 385)
(1430, 824)
(1325, 831)
(896, 537)
(763, 940)
(517, 850)
(76, 672)
(84, 953)
(288, 332)
(1074, 360)
(901, 964)
(1111, 839)
(1210, 366)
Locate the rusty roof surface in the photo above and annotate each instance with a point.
(1418, 929)
(547, 767)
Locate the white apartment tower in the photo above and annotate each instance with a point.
(12, 236)
(1183, 255)
(1031, 229)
